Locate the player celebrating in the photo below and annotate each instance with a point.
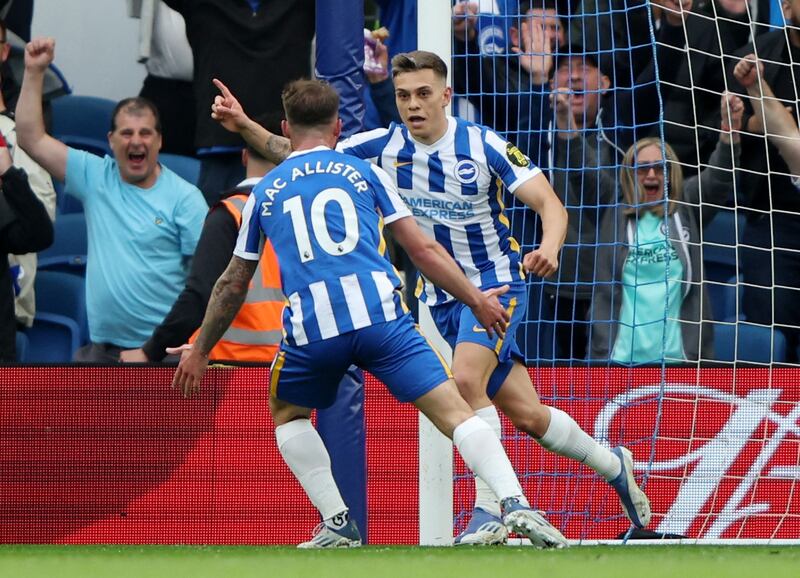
(450, 172)
(323, 212)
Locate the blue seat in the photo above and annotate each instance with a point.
(52, 339)
(732, 299)
(63, 294)
(756, 343)
(95, 146)
(65, 203)
(188, 168)
(82, 119)
(22, 347)
(724, 298)
(719, 244)
(70, 245)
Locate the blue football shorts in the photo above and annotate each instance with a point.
(395, 352)
(456, 324)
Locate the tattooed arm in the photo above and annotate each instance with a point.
(227, 110)
(227, 297)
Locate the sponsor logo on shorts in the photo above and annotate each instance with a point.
(478, 329)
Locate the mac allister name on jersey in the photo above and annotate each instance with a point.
(329, 168)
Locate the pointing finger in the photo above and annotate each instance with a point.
(222, 88)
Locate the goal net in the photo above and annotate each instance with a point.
(672, 323)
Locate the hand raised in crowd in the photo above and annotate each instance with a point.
(191, 369)
(542, 262)
(565, 121)
(731, 113)
(491, 314)
(465, 15)
(39, 53)
(747, 72)
(674, 11)
(536, 51)
(381, 55)
(227, 110)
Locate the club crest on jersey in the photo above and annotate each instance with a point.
(684, 233)
(516, 156)
(467, 171)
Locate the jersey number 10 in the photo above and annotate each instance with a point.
(319, 225)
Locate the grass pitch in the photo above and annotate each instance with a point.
(412, 562)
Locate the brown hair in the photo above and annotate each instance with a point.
(418, 60)
(310, 103)
(135, 106)
(630, 184)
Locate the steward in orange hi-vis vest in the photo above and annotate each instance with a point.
(256, 332)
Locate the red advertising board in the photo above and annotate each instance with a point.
(113, 455)
(720, 449)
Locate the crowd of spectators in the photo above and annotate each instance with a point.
(643, 143)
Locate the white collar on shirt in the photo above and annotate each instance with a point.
(304, 151)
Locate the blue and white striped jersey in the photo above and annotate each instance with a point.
(323, 212)
(454, 188)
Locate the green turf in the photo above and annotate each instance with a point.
(373, 562)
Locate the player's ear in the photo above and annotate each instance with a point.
(285, 128)
(337, 130)
(245, 157)
(447, 95)
(605, 83)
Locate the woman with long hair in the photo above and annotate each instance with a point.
(649, 302)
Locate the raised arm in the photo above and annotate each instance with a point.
(779, 125)
(538, 195)
(438, 266)
(227, 111)
(50, 153)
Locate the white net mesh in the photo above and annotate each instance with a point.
(676, 168)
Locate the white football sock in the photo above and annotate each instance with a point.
(566, 438)
(483, 454)
(484, 496)
(305, 454)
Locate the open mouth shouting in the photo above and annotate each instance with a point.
(652, 191)
(137, 160)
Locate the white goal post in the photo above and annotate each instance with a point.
(435, 450)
